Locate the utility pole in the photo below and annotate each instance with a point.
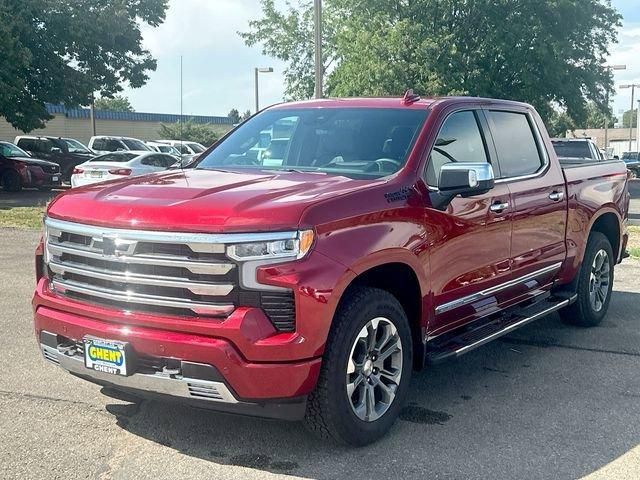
(92, 116)
(317, 9)
(606, 119)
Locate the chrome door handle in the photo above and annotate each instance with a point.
(499, 207)
(556, 196)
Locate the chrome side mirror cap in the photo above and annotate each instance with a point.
(466, 179)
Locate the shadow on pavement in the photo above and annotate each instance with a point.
(547, 401)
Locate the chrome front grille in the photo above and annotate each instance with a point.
(167, 273)
(140, 270)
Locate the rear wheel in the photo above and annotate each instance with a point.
(11, 181)
(595, 284)
(365, 372)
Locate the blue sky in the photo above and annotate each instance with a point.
(218, 67)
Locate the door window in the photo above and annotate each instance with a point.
(113, 146)
(515, 143)
(459, 140)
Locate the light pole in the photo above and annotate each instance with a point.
(638, 128)
(317, 23)
(632, 86)
(606, 115)
(258, 70)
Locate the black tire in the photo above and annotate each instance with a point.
(329, 413)
(582, 313)
(11, 181)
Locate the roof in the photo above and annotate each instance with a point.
(135, 116)
(392, 102)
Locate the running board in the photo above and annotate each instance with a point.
(457, 344)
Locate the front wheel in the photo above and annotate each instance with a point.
(366, 369)
(595, 284)
(11, 181)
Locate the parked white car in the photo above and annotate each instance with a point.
(163, 148)
(106, 143)
(118, 165)
(184, 147)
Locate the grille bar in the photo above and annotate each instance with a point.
(119, 296)
(104, 274)
(193, 266)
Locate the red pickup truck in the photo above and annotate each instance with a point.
(308, 281)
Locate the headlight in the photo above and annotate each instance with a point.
(296, 248)
(252, 255)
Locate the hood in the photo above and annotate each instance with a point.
(202, 200)
(34, 161)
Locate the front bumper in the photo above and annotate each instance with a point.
(193, 383)
(272, 389)
(41, 179)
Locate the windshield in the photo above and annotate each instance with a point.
(74, 146)
(354, 142)
(196, 147)
(115, 157)
(572, 149)
(167, 149)
(133, 144)
(10, 150)
(630, 156)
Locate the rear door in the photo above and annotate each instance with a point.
(469, 256)
(538, 193)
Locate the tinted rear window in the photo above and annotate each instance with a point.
(115, 157)
(572, 149)
(515, 143)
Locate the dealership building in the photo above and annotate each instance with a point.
(76, 123)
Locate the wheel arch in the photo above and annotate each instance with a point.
(400, 280)
(608, 223)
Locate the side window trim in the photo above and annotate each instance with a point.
(537, 137)
(485, 135)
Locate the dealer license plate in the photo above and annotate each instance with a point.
(106, 356)
(96, 174)
(54, 179)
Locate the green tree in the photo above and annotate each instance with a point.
(245, 115)
(64, 51)
(558, 123)
(117, 103)
(630, 117)
(189, 130)
(234, 115)
(288, 36)
(548, 52)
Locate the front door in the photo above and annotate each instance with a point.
(539, 200)
(469, 256)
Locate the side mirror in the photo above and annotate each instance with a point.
(466, 179)
(56, 150)
(616, 157)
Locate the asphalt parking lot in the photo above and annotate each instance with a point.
(549, 401)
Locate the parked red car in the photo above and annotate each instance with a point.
(18, 170)
(389, 234)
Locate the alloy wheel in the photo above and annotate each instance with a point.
(374, 369)
(599, 281)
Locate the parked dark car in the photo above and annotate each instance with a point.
(18, 170)
(65, 152)
(632, 161)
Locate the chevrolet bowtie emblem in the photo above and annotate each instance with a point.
(108, 247)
